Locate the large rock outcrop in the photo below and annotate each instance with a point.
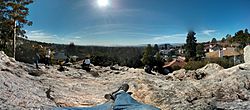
(247, 54)
(18, 90)
(208, 88)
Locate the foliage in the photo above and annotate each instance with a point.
(193, 65)
(148, 55)
(71, 50)
(214, 40)
(190, 46)
(176, 67)
(224, 62)
(200, 51)
(155, 49)
(102, 56)
(223, 39)
(241, 37)
(13, 13)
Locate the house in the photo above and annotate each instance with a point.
(224, 52)
(215, 47)
(170, 66)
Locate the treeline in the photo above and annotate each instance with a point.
(124, 56)
(102, 56)
(242, 37)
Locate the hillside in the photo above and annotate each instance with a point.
(211, 87)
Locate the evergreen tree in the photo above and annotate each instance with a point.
(214, 40)
(200, 51)
(155, 49)
(71, 49)
(246, 31)
(13, 18)
(223, 39)
(229, 38)
(190, 47)
(148, 55)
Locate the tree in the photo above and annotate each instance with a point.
(148, 55)
(190, 46)
(229, 38)
(71, 49)
(242, 38)
(246, 31)
(200, 51)
(247, 37)
(214, 40)
(223, 39)
(13, 17)
(155, 49)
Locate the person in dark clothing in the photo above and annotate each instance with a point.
(148, 69)
(86, 64)
(47, 57)
(36, 59)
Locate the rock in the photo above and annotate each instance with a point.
(180, 74)
(247, 54)
(115, 67)
(36, 72)
(208, 88)
(94, 74)
(210, 69)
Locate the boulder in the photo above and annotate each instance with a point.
(115, 67)
(210, 68)
(247, 54)
(36, 72)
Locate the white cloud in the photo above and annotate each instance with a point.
(77, 37)
(39, 35)
(164, 37)
(208, 32)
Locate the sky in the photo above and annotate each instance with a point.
(135, 22)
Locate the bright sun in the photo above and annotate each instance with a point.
(103, 3)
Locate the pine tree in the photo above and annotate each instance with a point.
(190, 47)
(148, 55)
(214, 40)
(13, 18)
(200, 51)
(155, 49)
(223, 39)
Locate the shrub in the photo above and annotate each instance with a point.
(193, 65)
(176, 68)
(224, 62)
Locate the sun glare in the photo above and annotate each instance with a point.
(103, 3)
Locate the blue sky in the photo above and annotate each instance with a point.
(135, 22)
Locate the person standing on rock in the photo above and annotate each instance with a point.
(118, 100)
(47, 57)
(36, 59)
(86, 64)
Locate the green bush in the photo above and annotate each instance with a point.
(193, 65)
(176, 68)
(224, 62)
